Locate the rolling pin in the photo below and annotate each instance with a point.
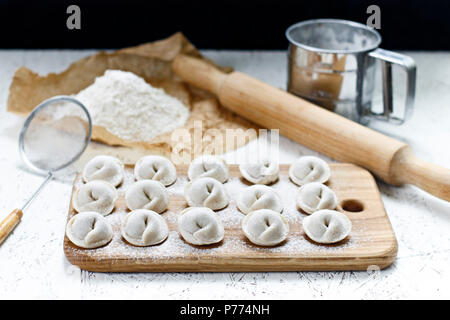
(316, 128)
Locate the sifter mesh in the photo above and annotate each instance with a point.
(55, 134)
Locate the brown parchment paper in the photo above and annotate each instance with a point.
(151, 61)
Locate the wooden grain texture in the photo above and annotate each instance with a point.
(407, 168)
(371, 242)
(315, 127)
(9, 223)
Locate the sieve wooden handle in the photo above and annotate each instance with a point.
(9, 223)
(315, 127)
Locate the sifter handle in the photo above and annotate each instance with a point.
(388, 58)
(9, 223)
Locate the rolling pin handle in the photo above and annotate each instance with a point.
(204, 75)
(407, 168)
(9, 223)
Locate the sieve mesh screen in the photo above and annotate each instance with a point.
(56, 135)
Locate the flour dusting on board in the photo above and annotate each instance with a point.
(234, 244)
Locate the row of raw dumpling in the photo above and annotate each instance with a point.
(96, 199)
(153, 173)
(197, 225)
(110, 169)
(325, 225)
(142, 227)
(208, 173)
(267, 226)
(304, 170)
(101, 176)
(204, 191)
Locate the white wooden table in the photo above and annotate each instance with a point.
(32, 262)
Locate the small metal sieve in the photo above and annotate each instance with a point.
(54, 136)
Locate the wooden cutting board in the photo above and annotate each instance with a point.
(371, 243)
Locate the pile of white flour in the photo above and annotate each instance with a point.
(130, 108)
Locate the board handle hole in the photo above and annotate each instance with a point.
(352, 205)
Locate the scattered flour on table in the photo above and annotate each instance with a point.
(130, 108)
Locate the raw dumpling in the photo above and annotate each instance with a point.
(143, 227)
(89, 230)
(206, 192)
(147, 194)
(155, 168)
(265, 227)
(96, 195)
(208, 166)
(259, 197)
(264, 172)
(327, 226)
(106, 168)
(316, 196)
(200, 226)
(309, 169)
